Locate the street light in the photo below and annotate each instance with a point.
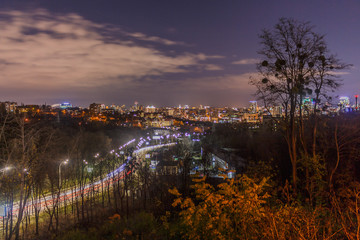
(5, 169)
(62, 163)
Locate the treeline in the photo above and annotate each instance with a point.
(333, 162)
(45, 166)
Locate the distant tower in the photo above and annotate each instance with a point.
(136, 105)
(356, 102)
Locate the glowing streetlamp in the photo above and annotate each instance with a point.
(5, 169)
(62, 163)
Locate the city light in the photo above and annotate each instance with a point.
(5, 169)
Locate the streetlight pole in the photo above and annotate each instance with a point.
(63, 162)
(83, 169)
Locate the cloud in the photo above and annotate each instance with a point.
(338, 73)
(212, 67)
(246, 61)
(144, 37)
(40, 50)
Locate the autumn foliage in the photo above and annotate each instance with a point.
(242, 208)
(225, 212)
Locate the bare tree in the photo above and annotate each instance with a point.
(296, 63)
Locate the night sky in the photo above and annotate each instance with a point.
(163, 53)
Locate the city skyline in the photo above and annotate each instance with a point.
(162, 54)
(340, 101)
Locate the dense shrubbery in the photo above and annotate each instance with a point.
(141, 225)
(243, 209)
(240, 208)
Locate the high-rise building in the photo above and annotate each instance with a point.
(308, 105)
(344, 103)
(253, 107)
(9, 106)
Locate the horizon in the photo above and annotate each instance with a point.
(338, 98)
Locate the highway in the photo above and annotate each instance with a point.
(71, 194)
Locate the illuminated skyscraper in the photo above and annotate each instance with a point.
(253, 107)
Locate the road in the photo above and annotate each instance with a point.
(47, 202)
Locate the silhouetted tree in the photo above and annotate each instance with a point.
(296, 63)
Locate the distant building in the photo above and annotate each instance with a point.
(344, 103)
(251, 118)
(10, 107)
(227, 159)
(28, 108)
(168, 167)
(307, 105)
(95, 108)
(65, 105)
(150, 109)
(276, 111)
(170, 111)
(253, 107)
